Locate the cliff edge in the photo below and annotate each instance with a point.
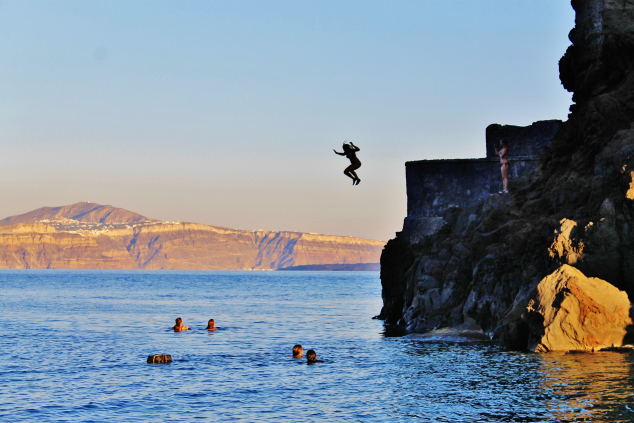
(479, 260)
(93, 236)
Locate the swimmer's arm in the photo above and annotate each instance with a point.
(336, 152)
(355, 147)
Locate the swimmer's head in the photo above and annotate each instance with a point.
(503, 142)
(346, 147)
(179, 321)
(297, 350)
(211, 323)
(311, 356)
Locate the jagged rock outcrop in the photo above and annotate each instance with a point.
(577, 208)
(569, 311)
(149, 244)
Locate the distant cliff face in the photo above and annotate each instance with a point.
(577, 208)
(104, 239)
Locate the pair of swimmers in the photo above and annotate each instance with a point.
(311, 355)
(298, 350)
(179, 327)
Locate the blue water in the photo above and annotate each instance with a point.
(75, 344)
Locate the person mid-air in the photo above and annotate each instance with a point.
(350, 150)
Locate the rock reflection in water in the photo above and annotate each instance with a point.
(477, 382)
(589, 387)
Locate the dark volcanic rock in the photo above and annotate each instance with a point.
(527, 141)
(574, 206)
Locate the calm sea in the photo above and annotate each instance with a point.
(75, 344)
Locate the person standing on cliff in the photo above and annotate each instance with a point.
(350, 150)
(503, 153)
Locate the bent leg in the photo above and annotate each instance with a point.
(348, 172)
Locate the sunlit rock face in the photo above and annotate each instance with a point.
(572, 312)
(630, 191)
(488, 253)
(595, 248)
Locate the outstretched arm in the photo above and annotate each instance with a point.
(336, 152)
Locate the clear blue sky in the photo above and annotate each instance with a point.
(226, 112)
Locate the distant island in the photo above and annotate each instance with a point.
(87, 235)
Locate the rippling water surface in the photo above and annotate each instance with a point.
(75, 344)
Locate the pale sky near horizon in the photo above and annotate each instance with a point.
(226, 112)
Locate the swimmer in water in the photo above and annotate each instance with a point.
(350, 150)
(297, 351)
(311, 357)
(178, 327)
(503, 153)
(211, 325)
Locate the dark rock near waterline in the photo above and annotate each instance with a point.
(159, 359)
(466, 333)
(627, 349)
(468, 254)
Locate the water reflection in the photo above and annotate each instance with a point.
(80, 355)
(444, 381)
(589, 387)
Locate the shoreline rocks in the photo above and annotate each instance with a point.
(466, 333)
(467, 255)
(570, 311)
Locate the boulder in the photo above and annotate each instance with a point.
(159, 358)
(569, 311)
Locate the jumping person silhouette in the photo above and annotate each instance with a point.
(349, 150)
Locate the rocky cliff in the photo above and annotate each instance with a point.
(482, 261)
(84, 211)
(92, 236)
